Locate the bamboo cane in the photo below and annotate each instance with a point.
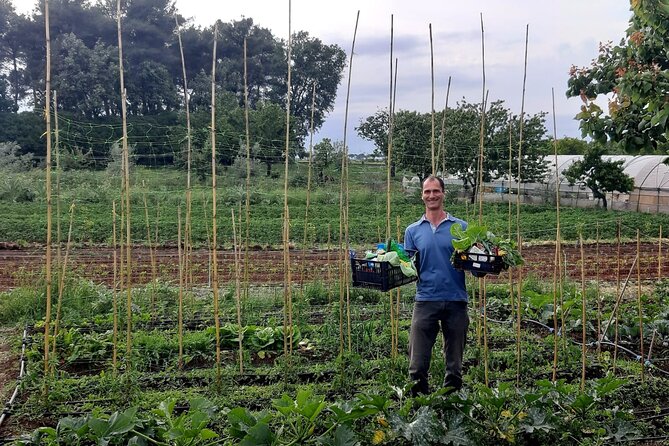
(597, 293)
(287, 327)
(236, 250)
(441, 152)
(188, 229)
(519, 314)
(583, 314)
(557, 269)
(214, 230)
(247, 214)
(114, 289)
(638, 295)
(57, 152)
(329, 270)
(388, 182)
(47, 116)
(308, 198)
(151, 252)
(180, 320)
(482, 287)
(126, 190)
(345, 173)
(434, 170)
(61, 282)
(659, 256)
(614, 313)
(484, 100)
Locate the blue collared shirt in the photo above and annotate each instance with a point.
(438, 281)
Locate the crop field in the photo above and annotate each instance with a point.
(573, 352)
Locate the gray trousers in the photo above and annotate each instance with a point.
(427, 319)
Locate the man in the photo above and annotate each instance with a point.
(441, 297)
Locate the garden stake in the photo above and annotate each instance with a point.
(329, 272)
(638, 295)
(287, 322)
(61, 282)
(557, 268)
(114, 288)
(583, 315)
(599, 304)
(434, 168)
(345, 184)
(390, 137)
(238, 296)
(519, 313)
(510, 270)
(479, 180)
(659, 256)
(441, 152)
(650, 348)
(206, 227)
(618, 300)
(151, 253)
(482, 287)
(615, 312)
(214, 256)
(180, 325)
(126, 190)
(520, 137)
(393, 341)
(47, 116)
(188, 229)
(248, 177)
(56, 141)
(306, 209)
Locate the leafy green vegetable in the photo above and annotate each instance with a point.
(479, 236)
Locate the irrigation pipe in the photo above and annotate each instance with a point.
(8, 407)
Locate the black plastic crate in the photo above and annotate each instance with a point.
(479, 264)
(378, 275)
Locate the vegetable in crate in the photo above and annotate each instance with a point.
(467, 240)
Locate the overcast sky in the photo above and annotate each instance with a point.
(561, 33)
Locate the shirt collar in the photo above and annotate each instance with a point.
(448, 217)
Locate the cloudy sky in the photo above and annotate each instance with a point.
(561, 33)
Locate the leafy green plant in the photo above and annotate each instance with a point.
(479, 236)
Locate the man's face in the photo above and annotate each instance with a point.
(433, 196)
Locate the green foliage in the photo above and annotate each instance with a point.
(479, 236)
(635, 73)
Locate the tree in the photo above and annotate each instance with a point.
(598, 175)
(635, 73)
(412, 147)
(268, 130)
(326, 153)
(571, 146)
(313, 63)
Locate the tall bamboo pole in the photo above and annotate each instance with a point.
(61, 281)
(484, 99)
(126, 190)
(236, 249)
(345, 175)
(287, 289)
(519, 180)
(639, 305)
(308, 198)
(214, 230)
(583, 313)
(329, 271)
(247, 203)
(388, 181)
(56, 141)
(47, 116)
(189, 139)
(441, 153)
(598, 294)
(557, 268)
(614, 312)
(114, 289)
(434, 168)
(152, 256)
(180, 314)
(659, 256)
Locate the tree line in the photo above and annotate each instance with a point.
(85, 72)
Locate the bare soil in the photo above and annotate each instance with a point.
(22, 265)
